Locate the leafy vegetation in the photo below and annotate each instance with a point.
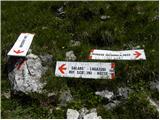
(129, 24)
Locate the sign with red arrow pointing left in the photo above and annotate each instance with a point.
(94, 70)
(117, 55)
(21, 46)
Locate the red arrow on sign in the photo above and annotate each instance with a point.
(137, 54)
(18, 51)
(61, 68)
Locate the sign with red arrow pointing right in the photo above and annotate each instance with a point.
(117, 55)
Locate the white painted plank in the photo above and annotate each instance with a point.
(117, 55)
(21, 46)
(95, 70)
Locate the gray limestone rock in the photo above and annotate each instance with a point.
(123, 92)
(92, 115)
(74, 43)
(72, 114)
(7, 94)
(112, 104)
(25, 74)
(83, 112)
(70, 56)
(105, 93)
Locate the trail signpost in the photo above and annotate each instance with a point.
(117, 55)
(21, 46)
(95, 70)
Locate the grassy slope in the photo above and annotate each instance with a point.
(125, 29)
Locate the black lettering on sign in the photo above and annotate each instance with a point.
(77, 68)
(102, 73)
(71, 72)
(23, 41)
(89, 73)
(98, 54)
(115, 55)
(80, 72)
(98, 69)
(126, 54)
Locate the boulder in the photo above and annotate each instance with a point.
(6, 94)
(74, 43)
(105, 93)
(93, 110)
(123, 92)
(46, 58)
(83, 112)
(70, 56)
(112, 104)
(88, 114)
(92, 115)
(72, 114)
(25, 73)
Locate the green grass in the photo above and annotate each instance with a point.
(130, 24)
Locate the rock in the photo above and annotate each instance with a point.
(7, 94)
(46, 59)
(25, 74)
(105, 93)
(74, 43)
(92, 115)
(123, 92)
(93, 110)
(70, 56)
(72, 114)
(83, 112)
(60, 10)
(51, 94)
(104, 17)
(65, 97)
(154, 85)
(112, 104)
(153, 103)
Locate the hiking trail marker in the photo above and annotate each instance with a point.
(95, 70)
(21, 46)
(117, 55)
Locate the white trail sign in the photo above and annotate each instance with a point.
(95, 70)
(21, 46)
(117, 55)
